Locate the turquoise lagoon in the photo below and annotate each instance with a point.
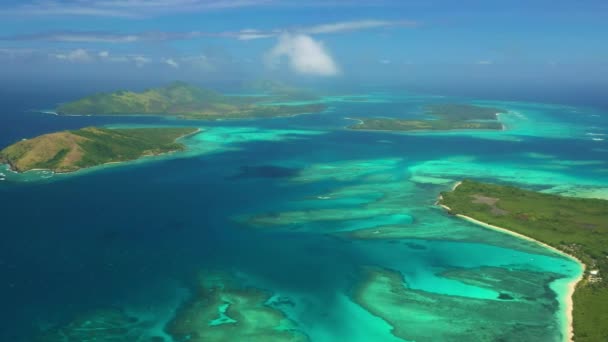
(308, 231)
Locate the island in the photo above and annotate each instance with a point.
(442, 117)
(575, 226)
(70, 151)
(186, 101)
(278, 90)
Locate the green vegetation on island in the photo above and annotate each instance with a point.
(181, 100)
(576, 226)
(443, 117)
(279, 90)
(69, 151)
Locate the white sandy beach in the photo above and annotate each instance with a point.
(569, 304)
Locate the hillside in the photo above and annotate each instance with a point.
(69, 151)
(182, 100)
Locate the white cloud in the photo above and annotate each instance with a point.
(199, 62)
(123, 8)
(140, 61)
(103, 54)
(118, 59)
(172, 63)
(485, 62)
(17, 53)
(92, 38)
(244, 34)
(384, 61)
(356, 25)
(78, 56)
(250, 34)
(148, 8)
(304, 54)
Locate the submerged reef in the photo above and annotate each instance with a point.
(511, 284)
(223, 310)
(417, 315)
(373, 199)
(576, 226)
(110, 325)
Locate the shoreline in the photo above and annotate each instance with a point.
(414, 131)
(198, 130)
(569, 303)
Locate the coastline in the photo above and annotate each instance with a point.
(569, 303)
(414, 131)
(198, 130)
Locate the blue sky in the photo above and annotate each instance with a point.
(415, 41)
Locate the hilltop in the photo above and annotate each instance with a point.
(69, 151)
(182, 100)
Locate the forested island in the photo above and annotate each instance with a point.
(442, 117)
(186, 101)
(70, 151)
(575, 226)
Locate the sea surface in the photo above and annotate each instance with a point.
(271, 205)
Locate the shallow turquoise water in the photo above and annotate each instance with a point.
(136, 236)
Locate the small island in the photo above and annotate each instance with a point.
(442, 117)
(70, 151)
(575, 226)
(184, 101)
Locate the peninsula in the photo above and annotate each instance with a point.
(181, 100)
(441, 117)
(70, 151)
(575, 226)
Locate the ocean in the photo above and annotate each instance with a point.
(268, 206)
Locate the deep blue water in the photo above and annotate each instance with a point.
(135, 232)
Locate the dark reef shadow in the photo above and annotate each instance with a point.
(264, 171)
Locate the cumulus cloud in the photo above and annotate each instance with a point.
(78, 56)
(304, 55)
(172, 63)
